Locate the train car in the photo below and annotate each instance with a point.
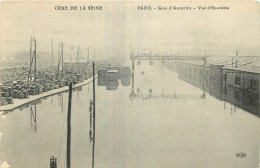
(112, 75)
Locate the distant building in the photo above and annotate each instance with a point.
(231, 79)
(241, 85)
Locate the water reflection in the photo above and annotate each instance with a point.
(217, 84)
(156, 96)
(90, 121)
(60, 101)
(112, 84)
(126, 81)
(92, 126)
(92, 131)
(244, 99)
(33, 114)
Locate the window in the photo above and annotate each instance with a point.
(224, 90)
(207, 83)
(236, 95)
(207, 73)
(194, 70)
(253, 84)
(225, 77)
(201, 72)
(237, 80)
(250, 100)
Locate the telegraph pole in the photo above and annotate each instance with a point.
(88, 54)
(94, 116)
(70, 54)
(29, 74)
(30, 49)
(60, 57)
(236, 56)
(52, 53)
(68, 126)
(62, 61)
(34, 60)
(94, 56)
(78, 54)
(99, 51)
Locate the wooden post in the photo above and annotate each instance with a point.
(53, 162)
(68, 126)
(94, 115)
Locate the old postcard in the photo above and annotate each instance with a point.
(130, 84)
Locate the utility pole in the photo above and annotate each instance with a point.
(29, 74)
(60, 57)
(35, 60)
(32, 59)
(52, 53)
(99, 55)
(94, 116)
(236, 56)
(78, 54)
(94, 55)
(31, 50)
(70, 54)
(68, 126)
(62, 61)
(88, 54)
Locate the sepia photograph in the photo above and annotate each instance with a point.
(130, 84)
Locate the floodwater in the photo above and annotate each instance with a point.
(164, 123)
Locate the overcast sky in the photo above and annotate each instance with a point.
(120, 25)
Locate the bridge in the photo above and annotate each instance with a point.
(151, 54)
(167, 57)
(144, 55)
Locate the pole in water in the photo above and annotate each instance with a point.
(90, 121)
(94, 115)
(53, 162)
(68, 126)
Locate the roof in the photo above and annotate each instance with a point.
(113, 71)
(248, 64)
(246, 68)
(241, 63)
